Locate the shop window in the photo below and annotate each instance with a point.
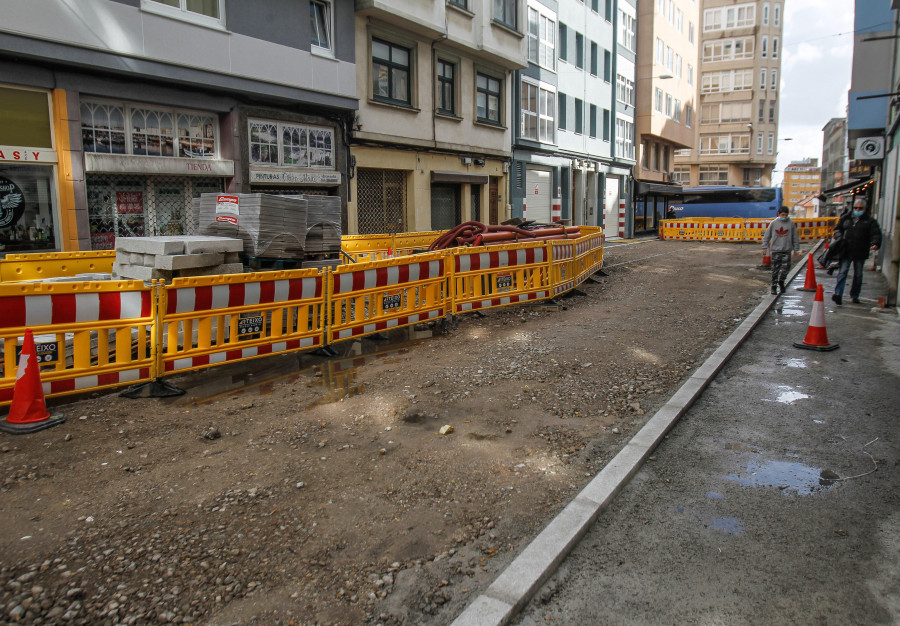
(118, 128)
(295, 145)
(26, 208)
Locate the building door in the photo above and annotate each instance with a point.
(475, 203)
(537, 196)
(494, 200)
(445, 207)
(611, 206)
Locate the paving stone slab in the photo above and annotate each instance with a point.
(188, 261)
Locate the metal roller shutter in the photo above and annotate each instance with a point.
(537, 195)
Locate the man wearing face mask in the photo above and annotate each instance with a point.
(781, 238)
(861, 233)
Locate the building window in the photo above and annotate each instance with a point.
(446, 79)
(669, 105)
(739, 16)
(627, 35)
(690, 76)
(688, 116)
(759, 143)
(320, 24)
(679, 21)
(607, 66)
(762, 111)
(625, 139)
(772, 111)
(776, 14)
(764, 48)
(561, 99)
(725, 144)
(691, 32)
(770, 144)
(677, 111)
(681, 175)
(607, 127)
(505, 12)
(645, 154)
(774, 47)
(488, 98)
(563, 43)
(594, 58)
(390, 72)
(660, 52)
(727, 81)
(579, 50)
(118, 128)
(762, 79)
(713, 175)
(462, 4)
(752, 176)
(607, 13)
(659, 100)
(541, 40)
(207, 12)
(678, 65)
(592, 128)
(728, 49)
(579, 116)
(765, 14)
(624, 90)
(774, 79)
(298, 145)
(538, 121)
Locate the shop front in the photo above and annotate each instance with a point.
(29, 211)
(651, 204)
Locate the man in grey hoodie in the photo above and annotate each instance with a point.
(781, 239)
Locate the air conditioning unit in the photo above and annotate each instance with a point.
(869, 148)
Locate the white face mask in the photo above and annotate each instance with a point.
(784, 218)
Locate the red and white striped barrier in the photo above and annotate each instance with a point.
(387, 276)
(34, 311)
(208, 297)
(621, 219)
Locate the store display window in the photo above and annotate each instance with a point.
(26, 208)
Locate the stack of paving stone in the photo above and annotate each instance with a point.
(323, 224)
(271, 227)
(147, 258)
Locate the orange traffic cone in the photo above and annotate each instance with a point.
(767, 259)
(816, 335)
(810, 283)
(28, 412)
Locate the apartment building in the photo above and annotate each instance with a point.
(124, 110)
(802, 179)
(736, 139)
(665, 119)
(431, 143)
(564, 142)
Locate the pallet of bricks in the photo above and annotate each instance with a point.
(166, 258)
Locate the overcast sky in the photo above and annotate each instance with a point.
(815, 75)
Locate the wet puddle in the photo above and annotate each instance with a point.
(730, 525)
(337, 374)
(785, 475)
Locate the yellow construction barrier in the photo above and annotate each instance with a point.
(366, 298)
(735, 229)
(88, 335)
(379, 247)
(217, 319)
(493, 276)
(572, 261)
(36, 266)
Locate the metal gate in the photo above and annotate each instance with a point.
(445, 207)
(131, 205)
(380, 201)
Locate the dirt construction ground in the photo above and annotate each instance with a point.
(312, 490)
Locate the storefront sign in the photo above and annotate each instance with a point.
(127, 164)
(129, 202)
(12, 202)
(32, 155)
(294, 177)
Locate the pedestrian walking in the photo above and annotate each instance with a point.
(861, 234)
(781, 239)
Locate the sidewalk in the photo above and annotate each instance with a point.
(778, 419)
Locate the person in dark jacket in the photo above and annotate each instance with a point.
(860, 233)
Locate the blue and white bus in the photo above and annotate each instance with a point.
(714, 201)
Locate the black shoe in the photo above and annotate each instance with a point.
(781, 285)
(838, 299)
(774, 290)
(855, 300)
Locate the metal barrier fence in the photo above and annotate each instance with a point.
(88, 335)
(217, 319)
(96, 335)
(366, 298)
(37, 266)
(734, 229)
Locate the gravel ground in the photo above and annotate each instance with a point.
(306, 490)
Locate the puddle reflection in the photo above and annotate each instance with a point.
(336, 374)
(785, 475)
